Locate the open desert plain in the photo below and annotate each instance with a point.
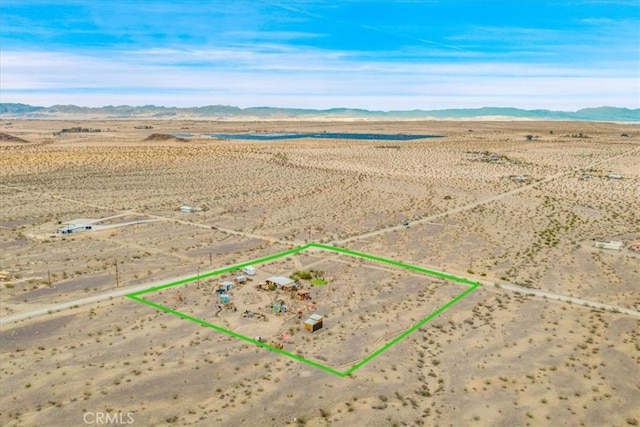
(458, 277)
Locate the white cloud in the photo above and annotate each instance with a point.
(290, 78)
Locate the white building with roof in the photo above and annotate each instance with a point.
(609, 244)
(281, 282)
(189, 209)
(74, 228)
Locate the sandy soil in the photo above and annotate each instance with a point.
(495, 358)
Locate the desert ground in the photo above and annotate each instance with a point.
(511, 205)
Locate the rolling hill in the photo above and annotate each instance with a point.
(222, 112)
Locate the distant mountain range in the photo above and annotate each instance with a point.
(222, 112)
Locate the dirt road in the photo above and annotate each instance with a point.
(473, 205)
(505, 286)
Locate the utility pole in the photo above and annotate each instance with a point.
(49, 275)
(117, 277)
(210, 258)
(198, 285)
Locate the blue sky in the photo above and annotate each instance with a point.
(382, 55)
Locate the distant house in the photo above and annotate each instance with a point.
(282, 283)
(520, 178)
(313, 323)
(189, 209)
(609, 244)
(614, 176)
(74, 228)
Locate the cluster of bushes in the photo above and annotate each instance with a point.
(77, 129)
(577, 135)
(305, 275)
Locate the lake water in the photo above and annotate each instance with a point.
(321, 135)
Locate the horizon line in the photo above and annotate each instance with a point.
(317, 109)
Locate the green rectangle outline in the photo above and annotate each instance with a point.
(136, 296)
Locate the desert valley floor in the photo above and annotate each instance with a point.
(550, 337)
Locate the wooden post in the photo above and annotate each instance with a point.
(117, 277)
(49, 275)
(210, 258)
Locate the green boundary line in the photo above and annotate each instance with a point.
(409, 331)
(472, 286)
(394, 263)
